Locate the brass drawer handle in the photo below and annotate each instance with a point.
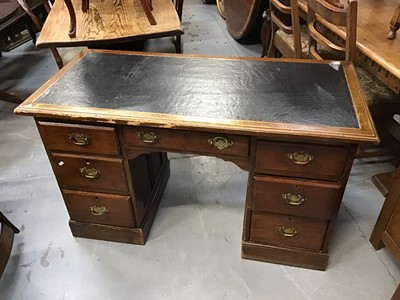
(293, 199)
(98, 210)
(220, 142)
(148, 137)
(90, 173)
(300, 158)
(79, 139)
(287, 232)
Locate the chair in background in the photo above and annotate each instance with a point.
(17, 27)
(288, 38)
(322, 44)
(8, 230)
(382, 102)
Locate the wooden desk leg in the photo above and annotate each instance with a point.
(72, 18)
(394, 23)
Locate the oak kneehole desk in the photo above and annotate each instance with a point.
(108, 118)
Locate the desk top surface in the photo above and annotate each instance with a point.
(243, 95)
(108, 22)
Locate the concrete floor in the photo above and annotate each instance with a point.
(193, 251)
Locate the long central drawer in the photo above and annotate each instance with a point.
(185, 141)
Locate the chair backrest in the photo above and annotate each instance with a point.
(322, 17)
(285, 16)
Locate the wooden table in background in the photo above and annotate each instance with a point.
(108, 22)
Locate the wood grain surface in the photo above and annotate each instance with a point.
(108, 22)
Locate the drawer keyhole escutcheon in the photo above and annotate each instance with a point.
(293, 199)
(90, 173)
(300, 158)
(79, 139)
(220, 142)
(148, 137)
(98, 210)
(287, 232)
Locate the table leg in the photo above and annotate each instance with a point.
(394, 23)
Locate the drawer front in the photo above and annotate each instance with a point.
(99, 208)
(89, 172)
(287, 231)
(301, 160)
(213, 144)
(308, 198)
(79, 138)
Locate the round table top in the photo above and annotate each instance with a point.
(7, 9)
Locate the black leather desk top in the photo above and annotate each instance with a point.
(296, 93)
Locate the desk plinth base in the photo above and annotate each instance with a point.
(125, 234)
(285, 256)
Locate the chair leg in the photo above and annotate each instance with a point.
(5, 221)
(72, 18)
(9, 98)
(271, 50)
(178, 41)
(394, 23)
(179, 8)
(266, 32)
(147, 8)
(8, 230)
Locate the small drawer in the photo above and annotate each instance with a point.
(183, 141)
(287, 231)
(301, 160)
(79, 138)
(89, 172)
(308, 198)
(99, 208)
